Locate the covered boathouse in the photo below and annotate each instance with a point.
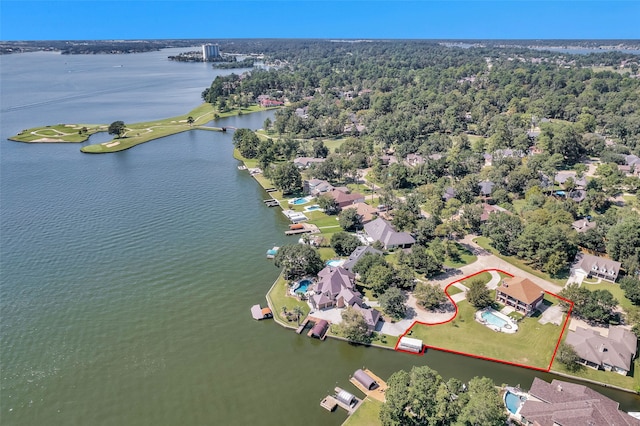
(365, 380)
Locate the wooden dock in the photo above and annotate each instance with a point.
(378, 393)
(329, 403)
(302, 326)
(307, 228)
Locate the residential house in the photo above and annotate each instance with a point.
(520, 293)
(357, 254)
(561, 403)
(449, 193)
(381, 230)
(486, 188)
(305, 162)
(612, 353)
(583, 225)
(488, 209)
(270, 103)
(632, 160)
(589, 265)
(366, 212)
(344, 199)
(562, 176)
(371, 316)
(413, 160)
(335, 288)
(317, 187)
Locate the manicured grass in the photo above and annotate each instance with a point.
(453, 290)
(485, 277)
(333, 143)
(367, 415)
(465, 257)
(615, 289)
(59, 132)
(532, 345)
(279, 298)
(609, 377)
(327, 253)
(484, 242)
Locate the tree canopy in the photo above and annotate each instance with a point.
(117, 128)
(298, 261)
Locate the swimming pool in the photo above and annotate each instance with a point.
(489, 317)
(335, 262)
(299, 201)
(303, 286)
(496, 321)
(513, 402)
(312, 208)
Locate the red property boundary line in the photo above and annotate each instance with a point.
(531, 367)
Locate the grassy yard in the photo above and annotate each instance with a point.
(59, 133)
(367, 415)
(532, 345)
(559, 280)
(485, 277)
(453, 290)
(465, 257)
(333, 143)
(609, 377)
(615, 289)
(279, 298)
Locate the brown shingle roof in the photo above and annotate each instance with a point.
(522, 289)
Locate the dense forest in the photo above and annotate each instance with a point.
(553, 135)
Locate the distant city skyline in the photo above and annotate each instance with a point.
(456, 19)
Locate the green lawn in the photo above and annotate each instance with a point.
(279, 298)
(615, 289)
(465, 257)
(609, 377)
(453, 290)
(532, 345)
(484, 242)
(485, 277)
(367, 415)
(333, 143)
(59, 132)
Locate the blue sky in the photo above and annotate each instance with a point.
(457, 19)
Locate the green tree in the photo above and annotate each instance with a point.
(267, 124)
(478, 294)
(423, 261)
(247, 142)
(568, 357)
(319, 149)
(350, 220)
(354, 327)
(631, 287)
(298, 260)
(344, 243)
(484, 406)
(329, 205)
(623, 242)
(430, 297)
(503, 229)
(286, 177)
(366, 262)
(190, 120)
(393, 302)
(117, 128)
(379, 278)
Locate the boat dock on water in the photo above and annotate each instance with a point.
(259, 313)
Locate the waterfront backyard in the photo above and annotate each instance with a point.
(532, 346)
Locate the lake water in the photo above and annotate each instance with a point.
(127, 278)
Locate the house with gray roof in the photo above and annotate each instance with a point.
(381, 230)
(486, 188)
(317, 186)
(371, 316)
(561, 403)
(612, 353)
(583, 225)
(305, 162)
(632, 160)
(335, 287)
(589, 265)
(357, 254)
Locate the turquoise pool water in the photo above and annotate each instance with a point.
(513, 402)
(335, 262)
(312, 208)
(303, 286)
(299, 201)
(489, 317)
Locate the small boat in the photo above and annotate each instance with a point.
(271, 253)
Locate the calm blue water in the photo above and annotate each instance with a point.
(300, 201)
(303, 286)
(127, 278)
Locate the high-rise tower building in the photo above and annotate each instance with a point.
(210, 51)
